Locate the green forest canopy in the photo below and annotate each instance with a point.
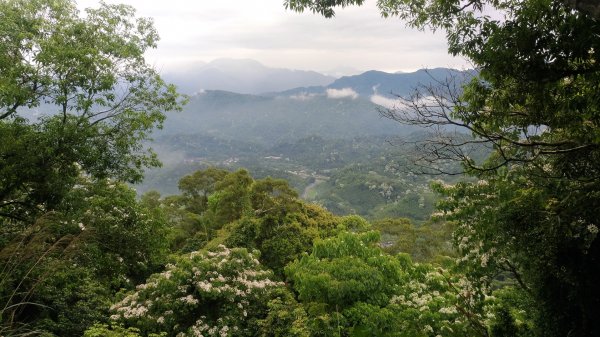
(535, 101)
(235, 256)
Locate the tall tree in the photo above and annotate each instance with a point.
(99, 99)
(535, 105)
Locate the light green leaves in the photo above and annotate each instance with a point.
(98, 97)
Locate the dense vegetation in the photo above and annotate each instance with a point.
(535, 104)
(511, 251)
(366, 176)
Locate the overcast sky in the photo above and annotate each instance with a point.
(357, 38)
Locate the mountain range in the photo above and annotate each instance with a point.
(247, 76)
(273, 119)
(242, 76)
(315, 133)
(344, 108)
(379, 83)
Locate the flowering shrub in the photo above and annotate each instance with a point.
(217, 293)
(537, 234)
(433, 301)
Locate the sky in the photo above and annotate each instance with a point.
(357, 39)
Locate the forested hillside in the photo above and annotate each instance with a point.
(367, 176)
(471, 209)
(332, 145)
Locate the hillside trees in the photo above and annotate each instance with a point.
(98, 97)
(279, 267)
(534, 104)
(349, 288)
(59, 275)
(71, 232)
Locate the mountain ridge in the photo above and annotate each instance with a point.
(244, 76)
(376, 82)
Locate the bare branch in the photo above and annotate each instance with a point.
(456, 132)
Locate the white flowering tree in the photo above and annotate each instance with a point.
(534, 105)
(124, 239)
(223, 292)
(538, 234)
(60, 274)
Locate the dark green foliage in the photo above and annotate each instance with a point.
(68, 300)
(513, 314)
(197, 186)
(423, 243)
(114, 330)
(324, 8)
(286, 317)
(34, 160)
(282, 239)
(60, 274)
(535, 103)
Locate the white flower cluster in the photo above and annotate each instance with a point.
(203, 329)
(134, 309)
(474, 250)
(189, 299)
(448, 310)
(232, 280)
(432, 297)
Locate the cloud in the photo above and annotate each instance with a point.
(168, 156)
(389, 103)
(303, 96)
(263, 30)
(342, 93)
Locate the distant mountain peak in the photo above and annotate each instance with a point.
(378, 83)
(245, 76)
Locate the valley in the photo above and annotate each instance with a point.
(330, 142)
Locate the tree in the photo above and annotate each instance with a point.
(222, 292)
(535, 93)
(349, 288)
(279, 225)
(197, 186)
(535, 105)
(59, 275)
(99, 99)
(424, 243)
(232, 197)
(326, 8)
